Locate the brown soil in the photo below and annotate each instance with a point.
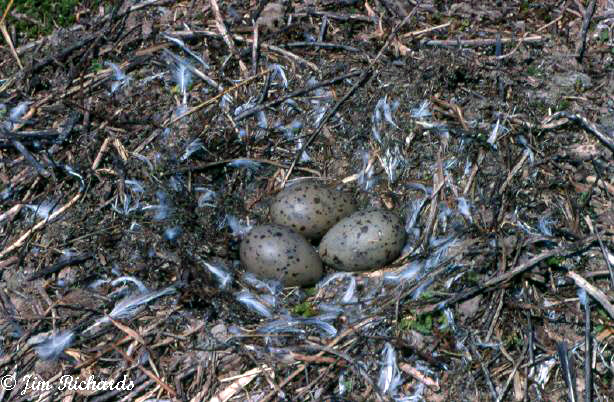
(511, 169)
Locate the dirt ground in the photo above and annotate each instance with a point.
(138, 145)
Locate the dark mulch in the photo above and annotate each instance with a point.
(137, 144)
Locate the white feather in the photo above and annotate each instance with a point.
(183, 78)
(43, 210)
(223, 277)
(123, 279)
(278, 72)
(271, 286)
(120, 79)
(583, 297)
(389, 375)
(54, 345)
(130, 306)
(186, 49)
(244, 164)
(421, 111)
(236, 227)
(193, 147)
(19, 111)
(171, 234)
(253, 304)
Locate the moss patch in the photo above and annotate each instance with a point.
(44, 15)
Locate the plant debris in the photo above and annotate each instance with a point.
(141, 143)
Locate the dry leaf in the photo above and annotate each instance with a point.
(272, 16)
(468, 308)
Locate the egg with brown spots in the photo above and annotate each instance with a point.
(364, 240)
(311, 208)
(278, 252)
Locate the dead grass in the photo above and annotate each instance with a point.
(125, 171)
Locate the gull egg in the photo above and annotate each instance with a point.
(278, 252)
(364, 240)
(310, 208)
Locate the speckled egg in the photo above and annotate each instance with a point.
(364, 240)
(278, 252)
(311, 208)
